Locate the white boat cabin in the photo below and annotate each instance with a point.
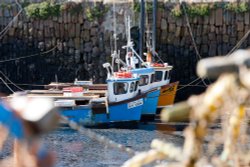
(120, 89)
(162, 75)
(147, 77)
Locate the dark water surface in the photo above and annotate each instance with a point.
(76, 150)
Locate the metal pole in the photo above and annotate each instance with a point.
(142, 27)
(154, 25)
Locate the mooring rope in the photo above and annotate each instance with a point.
(24, 57)
(239, 43)
(7, 85)
(11, 81)
(198, 56)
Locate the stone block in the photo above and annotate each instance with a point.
(171, 28)
(80, 18)
(212, 49)
(219, 17)
(69, 18)
(88, 47)
(94, 31)
(72, 30)
(246, 19)
(77, 43)
(78, 29)
(163, 37)
(85, 35)
(164, 24)
(178, 31)
(225, 38)
(240, 26)
(240, 35)
(11, 31)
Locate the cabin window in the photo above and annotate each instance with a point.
(132, 87)
(152, 78)
(158, 76)
(136, 85)
(120, 88)
(144, 80)
(166, 75)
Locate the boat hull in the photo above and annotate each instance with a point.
(116, 112)
(167, 94)
(150, 103)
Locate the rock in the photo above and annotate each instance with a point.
(78, 30)
(246, 19)
(88, 47)
(163, 24)
(178, 31)
(77, 43)
(171, 28)
(225, 38)
(212, 49)
(86, 25)
(240, 26)
(95, 52)
(41, 46)
(85, 35)
(70, 43)
(93, 31)
(77, 56)
(219, 17)
(72, 30)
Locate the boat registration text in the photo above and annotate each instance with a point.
(135, 103)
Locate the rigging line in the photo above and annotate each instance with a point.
(189, 83)
(192, 36)
(5, 30)
(24, 57)
(11, 81)
(24, 84)
(239, 43)
(7, 85)
(101, 139)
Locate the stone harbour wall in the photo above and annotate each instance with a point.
(81, 45)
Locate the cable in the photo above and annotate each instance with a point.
(7, 85)
(11, 81)
(5, 30)
(24, 57)
(189, 84)
(239, 43)
(192, 37)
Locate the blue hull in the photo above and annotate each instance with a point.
(150, 103)
(130, 111)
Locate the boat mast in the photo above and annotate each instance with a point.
(115, 54)
(142, 28)
(154, 26)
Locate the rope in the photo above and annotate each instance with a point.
(102, 139)
(5, 30)
(11, 81)
(189, 84)
(239, 43)
(24, 57)
(198, 56)
(7, 85)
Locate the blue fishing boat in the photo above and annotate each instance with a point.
(123, 102)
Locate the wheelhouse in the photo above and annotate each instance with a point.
(120, 89)
(147, 77)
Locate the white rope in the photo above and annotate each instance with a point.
(189, 84)
(24, 57)
(10, 81)
(198, 56)
(7, 85)
(239, 43)
(5, 30)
